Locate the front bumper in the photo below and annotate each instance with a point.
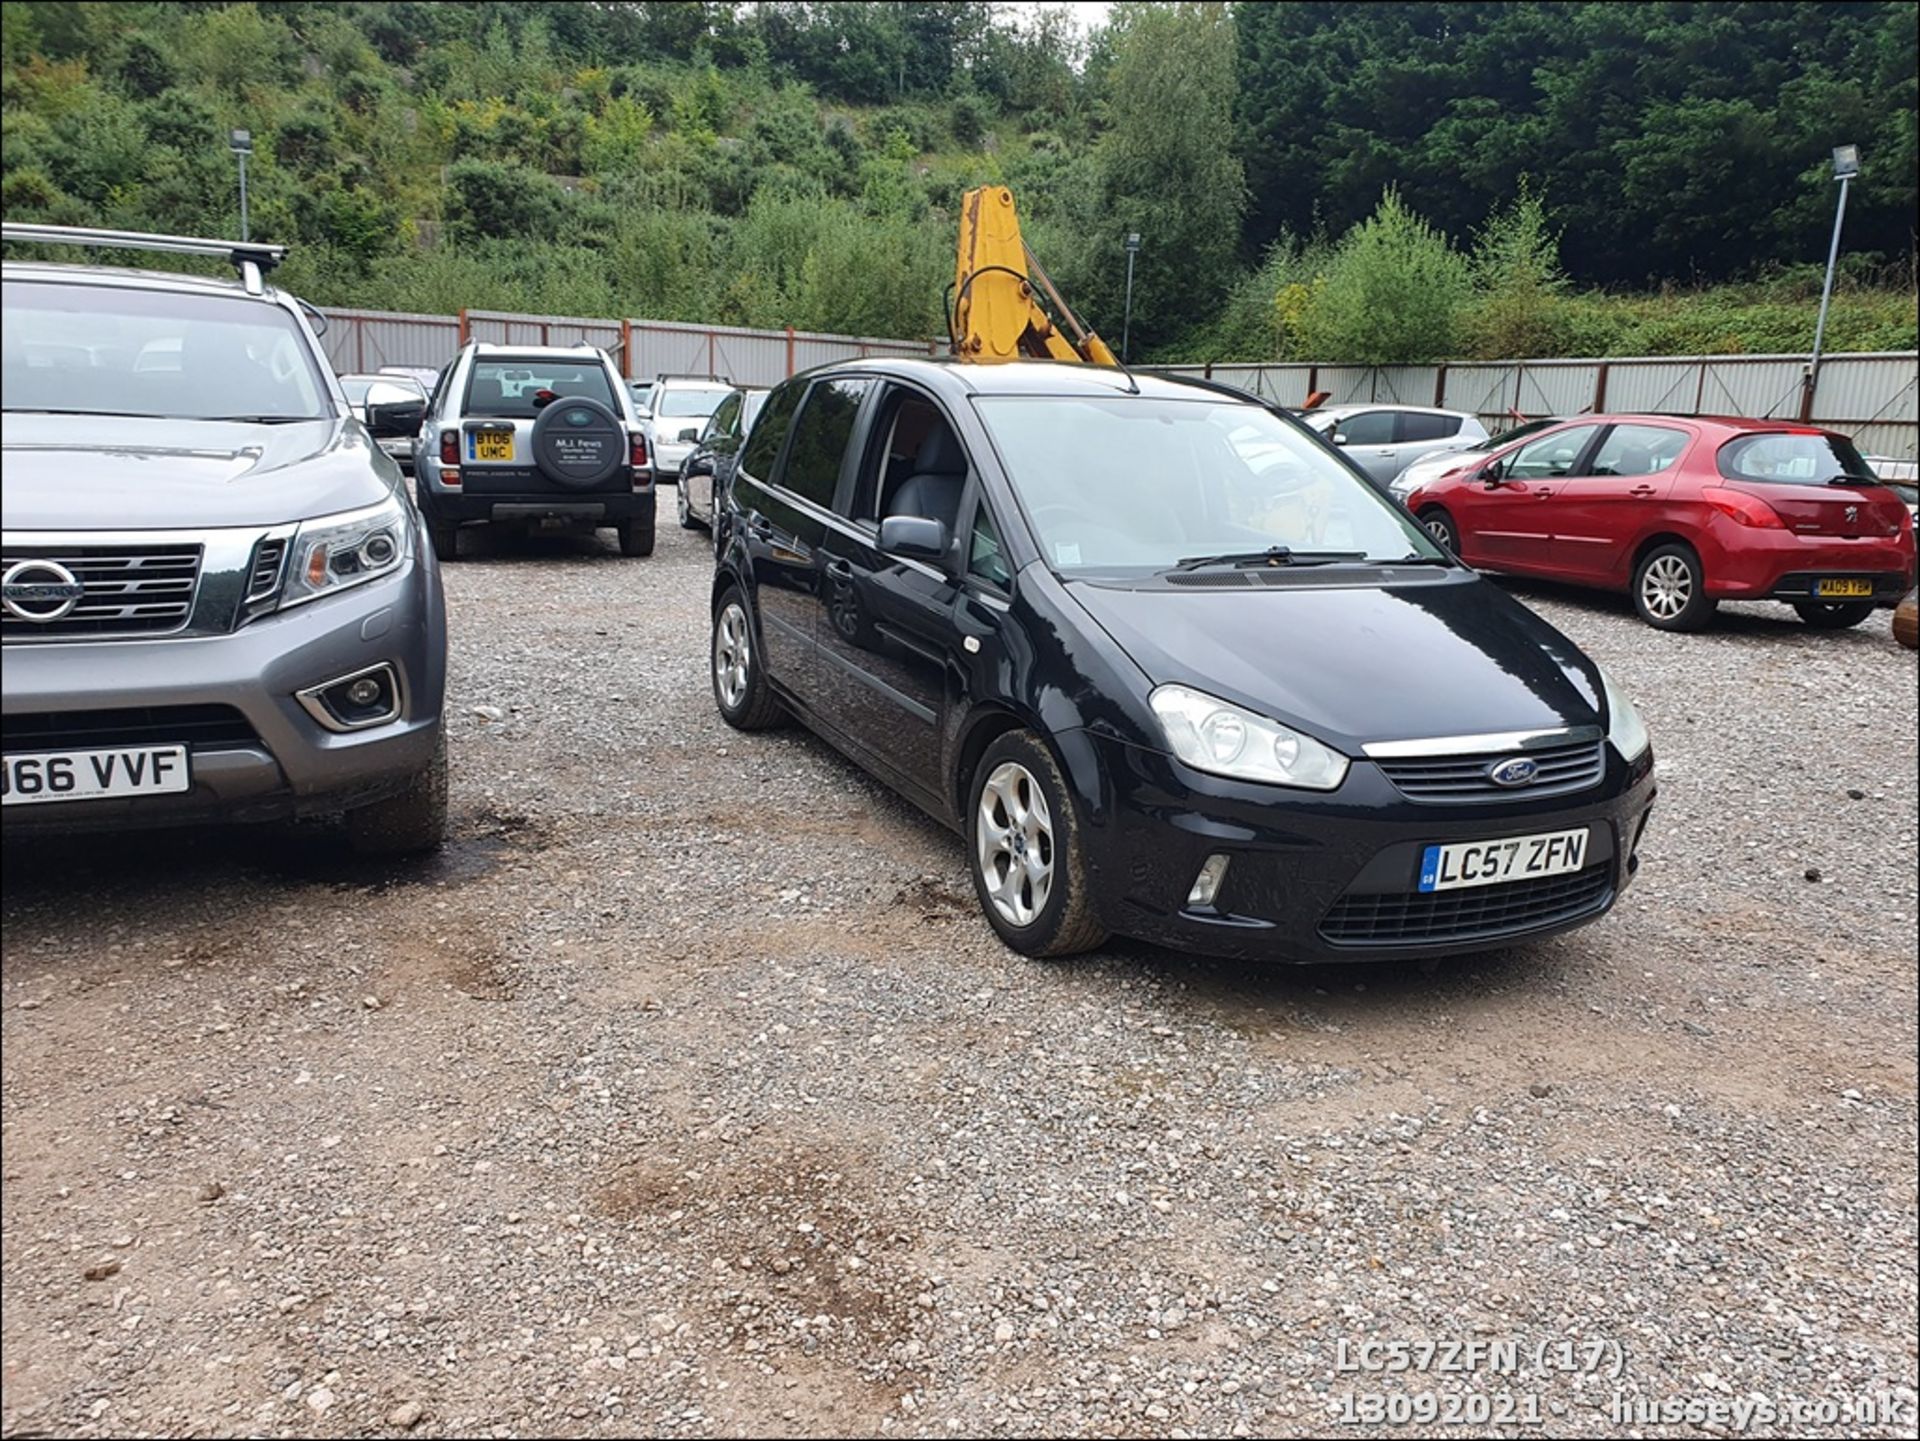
(290, 765)
(1309, 875)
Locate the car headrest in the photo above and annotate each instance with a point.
(940, 454)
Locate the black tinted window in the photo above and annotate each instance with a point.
(508, 389)
(820, 439)
(771, 429)
(723, 419)
(1370, 427)
(1418, 425)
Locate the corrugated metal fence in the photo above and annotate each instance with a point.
(1870, 397)
(365, 340)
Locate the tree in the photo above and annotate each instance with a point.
(1392, 295)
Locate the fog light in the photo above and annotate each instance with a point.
(1206, 885)
(353, 702)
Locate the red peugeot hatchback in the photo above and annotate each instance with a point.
(1682, 514)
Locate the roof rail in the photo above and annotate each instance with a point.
(251, 260)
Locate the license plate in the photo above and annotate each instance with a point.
(93, 775)
(1490, 863)
(491, 445)
(1842, 586)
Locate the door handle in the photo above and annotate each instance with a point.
(1643, 490)
(759, 524)
(839, 570)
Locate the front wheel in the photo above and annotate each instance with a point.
(1670, 589)
(1833, 615)
(739, 684)
(1440, 526)
(413, 820)
(1028, 860)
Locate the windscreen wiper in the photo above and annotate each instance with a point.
(1849, 477)
(1272, 555)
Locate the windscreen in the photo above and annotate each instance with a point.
(692, 402)
(502, 388)
(114, 350)
(1127, 485)
(1793, 457)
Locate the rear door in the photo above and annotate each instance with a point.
(503, 397)
(1624, 484)
(721, 436)
(1420, 432)
(1504, 519)
(886, 626)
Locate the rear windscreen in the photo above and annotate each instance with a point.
(1790, 457)
(508, 389)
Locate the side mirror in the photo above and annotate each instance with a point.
(700, 465)
(396, 417)
(914, 536)
(641, 411)
(691, 433)
(1339, 437)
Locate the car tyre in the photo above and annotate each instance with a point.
(1026, 853)
(1440, 525)
(1670, 589)
(740, 686)
(636, 535)
(413, 820)
(1833, 615)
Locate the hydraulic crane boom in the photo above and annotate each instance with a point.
(995, 315)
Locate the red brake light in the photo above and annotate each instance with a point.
(1744, 509)
(636, 450)
(449, 447)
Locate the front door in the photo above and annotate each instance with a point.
(886, 624)
(1600, 513)
(1506, 520)
(1368, 439)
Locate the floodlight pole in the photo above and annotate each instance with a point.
(241, 142)
(1846, 164)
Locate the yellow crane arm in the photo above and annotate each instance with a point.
(995, 316)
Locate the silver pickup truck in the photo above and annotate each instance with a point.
(219, 603)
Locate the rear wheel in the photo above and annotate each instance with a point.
(739, 685)
(1440, 526)
(1670, 589)
(413, 820)
(1028, 861)
(1833, 615)
(636, 535)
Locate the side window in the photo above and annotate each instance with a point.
(1370, 427)
(770, 431)
(1419, 425)
(1638, 450)
(985, 559)
(910, 438)
(820, 438)
(722, 420)
(1551, 455)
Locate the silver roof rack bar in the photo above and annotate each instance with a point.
(251, 260)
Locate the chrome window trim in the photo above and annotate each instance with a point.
(1488, 744)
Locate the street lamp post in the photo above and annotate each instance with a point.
(1846, 165)
(241, 143)
(1126, 323)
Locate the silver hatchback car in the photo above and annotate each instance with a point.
(1383, 439)
(218, 603)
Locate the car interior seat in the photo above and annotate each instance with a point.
(939, 476)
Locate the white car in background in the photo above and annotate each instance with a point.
(365, 390)
(677, 411)
(1384, 439)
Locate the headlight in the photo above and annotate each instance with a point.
(338, 551)
(1211, 735)
(1624, 727)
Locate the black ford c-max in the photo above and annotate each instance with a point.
(1170, 665)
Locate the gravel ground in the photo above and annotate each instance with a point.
(687, 1093)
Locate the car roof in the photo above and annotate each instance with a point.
(128, 277)
(492, 351)
(1028, 377)
(1354, 407)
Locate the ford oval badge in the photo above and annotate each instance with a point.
(1519, 771)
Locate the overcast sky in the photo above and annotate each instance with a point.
(1088, 12)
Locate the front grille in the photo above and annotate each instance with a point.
(199, 727)
(1460, 780)
(130, 590)
(1479, 913)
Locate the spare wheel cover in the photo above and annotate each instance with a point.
(579, 442)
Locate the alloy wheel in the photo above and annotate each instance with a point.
(1014, 840)
(732, 654)
(1667, 587)
(1440, 531)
